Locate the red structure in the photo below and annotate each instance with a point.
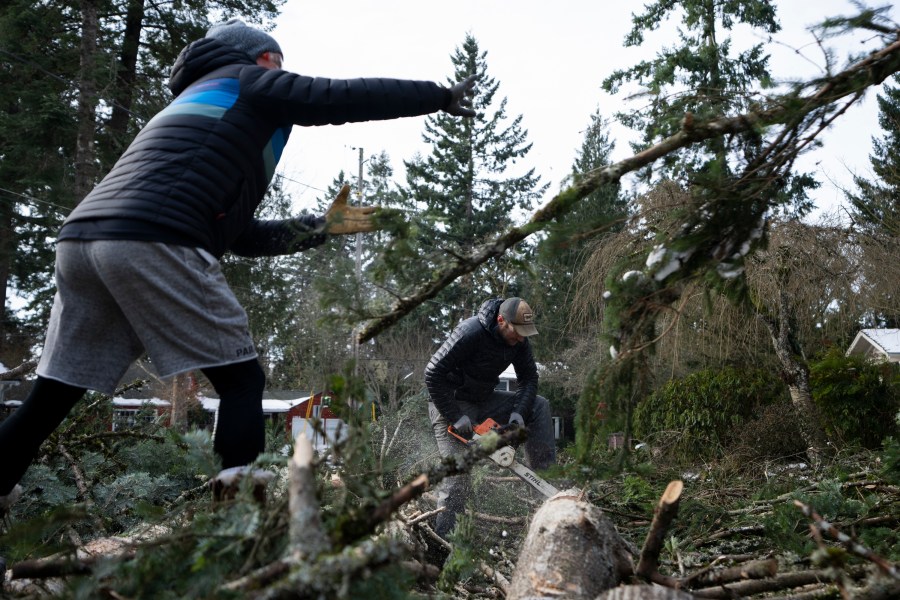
(308, 409)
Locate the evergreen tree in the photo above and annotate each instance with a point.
(37, 141)
(96, 73)
(875, 207)
(329, 295)
(464, 189)
(734, 184)
(561, 254)
(698, 79)
(875, 211)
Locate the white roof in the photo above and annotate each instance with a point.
(269, 406)
(122, 402)
(885, 342)
(212, 404)
(509, 373)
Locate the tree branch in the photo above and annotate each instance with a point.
(17, 372)
(848, 542)
(788, 110)
(665, 512)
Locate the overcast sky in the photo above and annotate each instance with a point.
(549, 59)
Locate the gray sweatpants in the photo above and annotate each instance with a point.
(540, 448)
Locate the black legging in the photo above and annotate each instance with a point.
(23, 432)
(240, 430)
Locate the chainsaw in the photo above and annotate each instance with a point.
(506, 456)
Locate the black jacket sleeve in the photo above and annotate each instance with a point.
(273, 238)
(291, 98)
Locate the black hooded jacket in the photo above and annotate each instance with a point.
(468, 365)
(196, 173)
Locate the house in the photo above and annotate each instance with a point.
(300, 416)
(881, 345)
(509, 383)
(6, 384)
(128, 412)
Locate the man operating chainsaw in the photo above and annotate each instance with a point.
(461, 378)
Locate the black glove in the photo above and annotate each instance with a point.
(516, 419)
(463, 426)
(461, 98)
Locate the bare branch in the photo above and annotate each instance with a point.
(17, 372)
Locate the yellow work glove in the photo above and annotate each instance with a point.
(342, 219)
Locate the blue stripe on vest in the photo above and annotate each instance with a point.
(208, 99)
(272, 151)
(216, 92)
(212, 99)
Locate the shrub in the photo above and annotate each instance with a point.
(858, 398)
(705, 407)
(773, 433)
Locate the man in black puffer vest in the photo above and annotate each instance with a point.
(461, 378)
(137, 264)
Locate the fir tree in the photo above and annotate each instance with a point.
(876, 204)
(875, 213)
(37, 129)
(464, 188)
(561, 254)
(734, 185)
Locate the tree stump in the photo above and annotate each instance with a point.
(571, 551)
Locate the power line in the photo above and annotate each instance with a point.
(312, 187)
(33, 199)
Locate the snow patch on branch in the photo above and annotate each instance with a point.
(676, 260)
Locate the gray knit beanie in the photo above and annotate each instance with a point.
(237, 34)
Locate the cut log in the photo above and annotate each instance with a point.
(571, 551)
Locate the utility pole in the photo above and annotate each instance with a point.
(359, 202)
(359, 196)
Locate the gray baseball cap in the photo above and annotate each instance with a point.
(517, 313)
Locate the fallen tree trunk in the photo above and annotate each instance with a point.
(644, 592)
(572, 551)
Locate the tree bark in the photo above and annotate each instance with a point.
(85, 154)
(796, 374)
(572, 550)
(308, 538)
(644, 592)
(126, 71)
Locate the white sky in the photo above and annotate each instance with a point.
(549, 59)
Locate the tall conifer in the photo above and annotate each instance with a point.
(466, 188)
